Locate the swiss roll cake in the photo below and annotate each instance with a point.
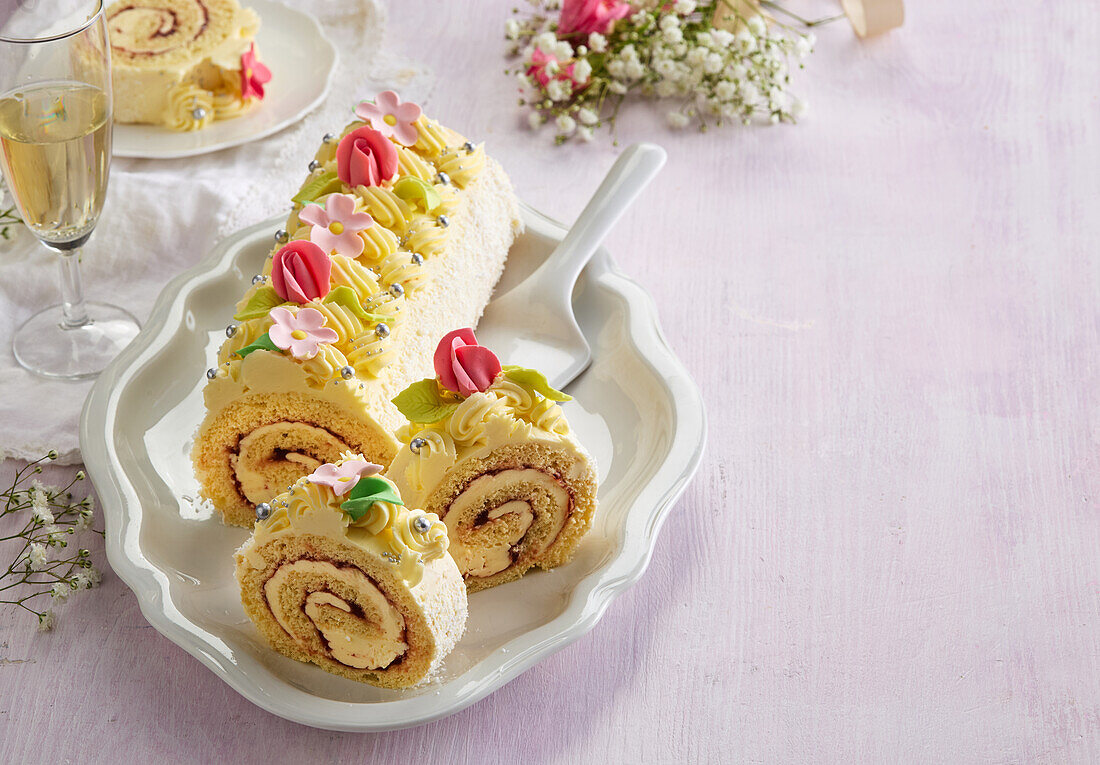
(340, 573)
(489, 451)
(184, 63)
(399, 232)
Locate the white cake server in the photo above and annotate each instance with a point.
(532, 325)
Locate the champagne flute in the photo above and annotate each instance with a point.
(55, 153)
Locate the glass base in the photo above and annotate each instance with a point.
(46, 347)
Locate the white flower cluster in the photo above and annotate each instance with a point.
(40, 568)
(663, 50)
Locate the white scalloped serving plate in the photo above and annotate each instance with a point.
(636, 409)
(293, 45)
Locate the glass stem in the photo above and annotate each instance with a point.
(72, 292)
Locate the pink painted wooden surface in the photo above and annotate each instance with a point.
(892, 551)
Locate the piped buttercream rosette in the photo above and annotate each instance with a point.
(340, 573)
(488, 450)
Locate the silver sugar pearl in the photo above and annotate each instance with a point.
(417, 259)
(443, 221)
(444, 178)
(257, 278)
(211, 373)
(469, 147)
(231, 330)
(263, 511)
(329, 137)
(382, 330)
(417, 444)
(281, 236)
(421, 524)
(397, 290)
(314, 165)
(198, 113)
(347, 373)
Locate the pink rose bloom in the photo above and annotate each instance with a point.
(539, 60)
(336, 226)
(300, 272)
(463, 366)
(302, 333)
(253, 75)
(342, 479)
(390, 117)
(583, 17)
(365, 157)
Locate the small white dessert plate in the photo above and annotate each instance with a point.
(636, 410)
(301, 59)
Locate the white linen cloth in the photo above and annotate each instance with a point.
(162, 216)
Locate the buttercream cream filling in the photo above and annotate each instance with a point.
(369, 634)
(488, 540)
(264, 464)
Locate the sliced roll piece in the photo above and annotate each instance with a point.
(388, 261)
(490, 452)
(339, 573)
(183, 63)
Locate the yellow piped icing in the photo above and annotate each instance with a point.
(507, 413)
(434, 139)
(387, 530)
(378, 243)
(425, 236)
(385, 207)
(399, 268)
(184, 102)
(230, 105)
(386, 271)
(370, 354)
(411, 163)
(463, 166)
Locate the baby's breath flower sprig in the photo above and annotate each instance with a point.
(38, 523)
(8, 214)
(718, 61)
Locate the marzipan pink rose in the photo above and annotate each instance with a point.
(463, 366)
(365, 157)
(583, 17)
(300, 272)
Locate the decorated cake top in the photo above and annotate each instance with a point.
(471, 389)
(349, 501)
(374, 209)
(472, 406)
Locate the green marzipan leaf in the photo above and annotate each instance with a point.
(532, 378)
(345, 296)
(411, 187)
(356, 508)
(261, 343)
(421, 402)
(325, 183)
(365, 493)
(260, 304)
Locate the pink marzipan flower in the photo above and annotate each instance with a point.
(303, 333)
(342, 479)
(253, 74)
(390, 117)
(583, 17)
(463, 365)
(336, 226)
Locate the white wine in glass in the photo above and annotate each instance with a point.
(54, 146)
(55, 154)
